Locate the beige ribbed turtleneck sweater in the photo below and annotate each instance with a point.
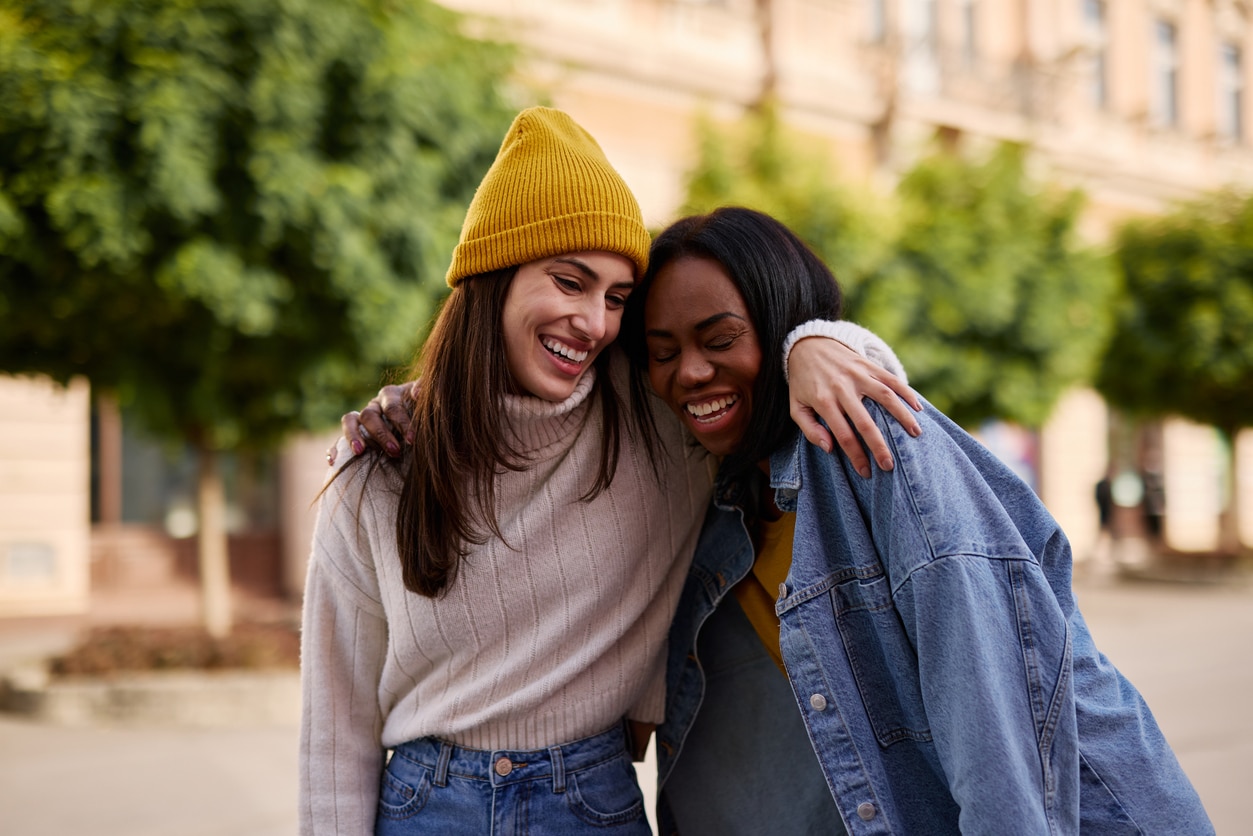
(552, 640)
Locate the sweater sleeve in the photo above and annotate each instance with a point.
(343, 648)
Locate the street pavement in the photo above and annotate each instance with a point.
(1186, 646)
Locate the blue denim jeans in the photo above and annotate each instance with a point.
(586, 786)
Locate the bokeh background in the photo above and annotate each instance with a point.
(224, 223)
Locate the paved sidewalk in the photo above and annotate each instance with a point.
(146, 782)
(1187, 647)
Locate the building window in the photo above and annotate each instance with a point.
(922, 45)
(969, 33)
(1095, 38)
(1230, 92)
(1165, 74)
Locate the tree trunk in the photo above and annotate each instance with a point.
(1229, 517)
(215, 571)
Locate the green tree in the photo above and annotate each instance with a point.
(760, 165)
(971, 271)
(995, 306)
(1183, 338)
(233, 213)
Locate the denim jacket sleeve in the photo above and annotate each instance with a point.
(952, 635)
(952, 627)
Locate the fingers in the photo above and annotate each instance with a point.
(890, 398)
(901, 388)
(870, 436)
(351, 426)
(378, 430)
(394, 403)
(809, 424)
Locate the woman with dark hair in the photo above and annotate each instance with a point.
(486, 617)
(899, 654)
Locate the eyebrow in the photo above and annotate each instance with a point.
(586, 269)
(708, 322)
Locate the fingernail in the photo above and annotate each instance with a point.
(409, 436)
(864, 471)
(887, 465)
(825, 445)
(392, 449)
(915, 430)
(357, 447)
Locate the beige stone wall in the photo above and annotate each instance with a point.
(302, 472)
(44, 497)
(636, 73)
(1193, 467)
(1074, 455)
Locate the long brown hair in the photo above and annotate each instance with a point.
(448, 499)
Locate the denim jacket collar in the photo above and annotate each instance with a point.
(785, 479)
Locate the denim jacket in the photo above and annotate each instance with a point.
(946, 679)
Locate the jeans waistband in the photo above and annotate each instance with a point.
(508, 766)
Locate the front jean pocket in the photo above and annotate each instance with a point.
(885, 666)
(606, 794)
(404, 788)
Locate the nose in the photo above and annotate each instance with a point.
(694, 370)
(590, 320)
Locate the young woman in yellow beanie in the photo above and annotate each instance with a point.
(486, 615)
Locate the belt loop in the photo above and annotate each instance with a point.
(441, 766)
(559, 769)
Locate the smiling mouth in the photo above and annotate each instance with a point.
(565, 352)
(709, 411)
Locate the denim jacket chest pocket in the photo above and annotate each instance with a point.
(883, 661)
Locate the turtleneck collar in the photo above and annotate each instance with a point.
(538, 425)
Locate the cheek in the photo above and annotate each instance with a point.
(613, 324)
(657, 378)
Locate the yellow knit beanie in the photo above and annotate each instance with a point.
(550, 191)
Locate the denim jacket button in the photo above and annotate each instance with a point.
(819, 702)
(866, 811)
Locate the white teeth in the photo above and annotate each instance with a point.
(700, 410)
(565, 351)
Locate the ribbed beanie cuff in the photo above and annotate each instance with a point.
(550, 191)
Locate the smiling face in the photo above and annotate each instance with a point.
(703, 351)
(559, 314)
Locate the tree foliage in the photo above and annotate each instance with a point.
(994, 304)
(970, 270)
(235, 213)
(1183, 338)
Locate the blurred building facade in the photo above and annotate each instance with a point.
(1137, 102)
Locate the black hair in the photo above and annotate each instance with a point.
(784, 284)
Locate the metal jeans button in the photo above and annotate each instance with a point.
(819, 702)
(503, 767)
(866, 811)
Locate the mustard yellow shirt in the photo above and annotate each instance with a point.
(760, 587)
